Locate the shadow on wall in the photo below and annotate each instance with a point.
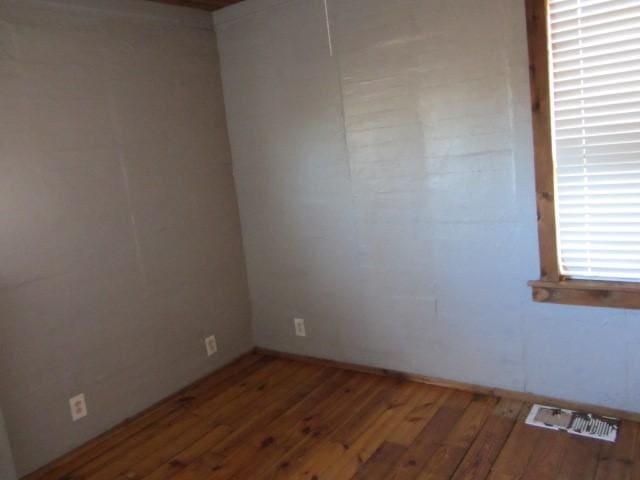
(7, 465)
(7, 469)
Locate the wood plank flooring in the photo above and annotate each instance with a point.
(264, 418)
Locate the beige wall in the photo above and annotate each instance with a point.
(119, 236)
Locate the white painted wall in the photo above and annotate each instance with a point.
(387, 196)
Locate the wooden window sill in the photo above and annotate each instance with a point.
(587, 292)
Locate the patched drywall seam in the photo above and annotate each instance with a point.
(329, 39)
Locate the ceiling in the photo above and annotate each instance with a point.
(201, 4)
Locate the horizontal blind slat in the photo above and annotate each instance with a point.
(596, 102)
(597, 114)
(578, 275)
(576, 247)
(627, 158)
(588, 171)
(608, 148)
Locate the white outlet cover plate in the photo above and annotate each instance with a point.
(211, 344)
(299, 325)
(78, 406)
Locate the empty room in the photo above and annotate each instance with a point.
(319, 239)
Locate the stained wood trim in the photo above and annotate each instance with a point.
(542, 137)
(591, 293)
(208, 5)
(467, 387)
(552, 286)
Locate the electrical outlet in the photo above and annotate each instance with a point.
(78, 406)
(299, 325)
(211, 344)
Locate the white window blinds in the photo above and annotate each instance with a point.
(595, 83)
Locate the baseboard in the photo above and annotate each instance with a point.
(469, 387)
(38, 474)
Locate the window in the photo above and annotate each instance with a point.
(585, 81)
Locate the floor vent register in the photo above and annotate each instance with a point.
(576, 423)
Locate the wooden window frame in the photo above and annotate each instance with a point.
(553, 287)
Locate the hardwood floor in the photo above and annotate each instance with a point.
(267, 418)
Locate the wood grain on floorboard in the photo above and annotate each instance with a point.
(267, 418)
